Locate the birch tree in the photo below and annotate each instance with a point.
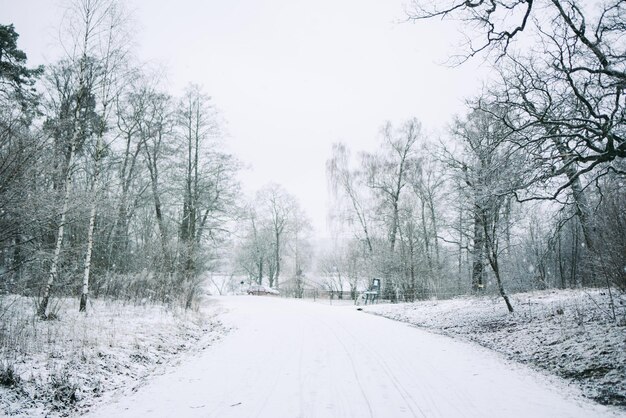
(300, 247)
(346, 185)
(103, 24)
(387, 176)
(82, 103)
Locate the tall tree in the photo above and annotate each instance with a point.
(345, 183)
(81, 111)
(156, 129)
(20, 147)
(279, 207)
(300, 247)
(109, 43)
(254, 255)
(197, 126)
(209, 188)
(561, 90)
(489, 171)
(387, 174)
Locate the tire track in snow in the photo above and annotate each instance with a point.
(393, 375)
(282, 358)
(354, 370)
(405, 394)
(288, 359)
(340, 403)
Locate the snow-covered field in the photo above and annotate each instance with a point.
(65, 366)
(569, 333)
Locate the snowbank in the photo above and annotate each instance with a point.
(67, 365)
(570, 333)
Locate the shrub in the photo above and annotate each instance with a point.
(9, 376)
(64, 389)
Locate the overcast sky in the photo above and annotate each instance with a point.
(289, 76)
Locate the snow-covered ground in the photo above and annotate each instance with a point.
(569, 333)
(290, 358)
(67, 365)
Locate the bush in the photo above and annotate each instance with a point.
(9, 376)
(64, 389)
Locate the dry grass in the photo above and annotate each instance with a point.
(64, 365)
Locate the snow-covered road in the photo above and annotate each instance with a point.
(289, 358)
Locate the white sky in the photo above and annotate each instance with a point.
(289, 76)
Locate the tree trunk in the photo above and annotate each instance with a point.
(492, 255)
(460, 260)
(491, 248)
(478, 250)
(413, 285)
(277, 256)
(394, 224)
(496, 271)
(560, 261)
(152, 168)
(433, 220)
(92, 224)
(87, 270)
(580, 199)
(429, 257)
(260, 276)
(18, 259)
(43, 305)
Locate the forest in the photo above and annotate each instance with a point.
(524, 191)
(111, 187)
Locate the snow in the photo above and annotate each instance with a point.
(569, 333)
(77, 361)
(290, 358)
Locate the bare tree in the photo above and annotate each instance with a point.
(426, 182)
(156, 130)
(253, 254)
(109, 47)
(489, 171)
(561, 91)
(566, 91)
(133, 113)
(86, 26)
(279, 207)
(387, 174)
(300, 247)
(208, 184)
(345, 184)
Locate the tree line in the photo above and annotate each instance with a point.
(526, 190)
(273, 244)
(109, 185)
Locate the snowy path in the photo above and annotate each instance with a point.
(291, 358)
